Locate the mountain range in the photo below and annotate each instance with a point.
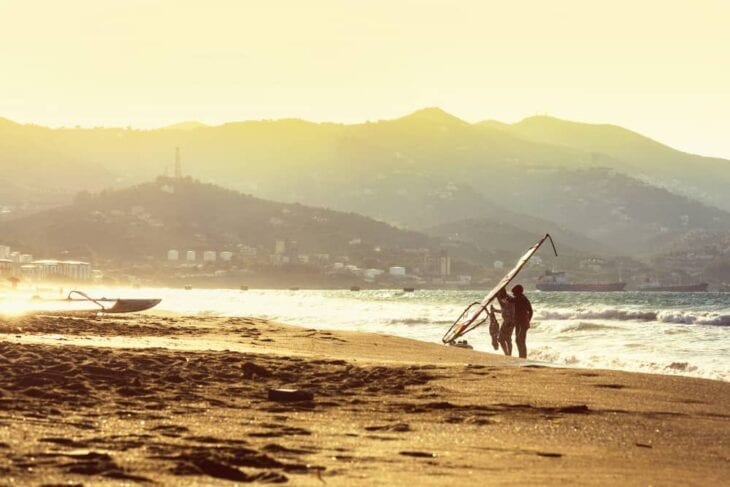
(606, 188)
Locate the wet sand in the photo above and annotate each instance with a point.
(183, 400)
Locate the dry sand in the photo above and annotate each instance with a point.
(183, 401)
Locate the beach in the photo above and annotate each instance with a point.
(185, 400)
(662, 333)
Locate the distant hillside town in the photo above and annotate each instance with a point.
(16, 265)
(414, 266)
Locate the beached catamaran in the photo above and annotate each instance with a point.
(477, 313)
(78, 302)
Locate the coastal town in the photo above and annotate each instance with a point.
(17, 266)
(284, 265)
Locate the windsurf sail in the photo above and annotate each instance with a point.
(477, 313)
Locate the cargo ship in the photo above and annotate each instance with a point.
(557, 281)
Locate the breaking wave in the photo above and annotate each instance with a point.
(694, 318)
(666, 316)
(583, 326)
(599, 314)
(657, 366)
(418, 321)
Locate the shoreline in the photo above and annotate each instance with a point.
(385, 410)
(209, 285)
(545, 350)
(217, 343)
(677, 368)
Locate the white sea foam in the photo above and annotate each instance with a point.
(597, 314)
(665, 316)
(693, 317)
(419, 321)
(587, 326)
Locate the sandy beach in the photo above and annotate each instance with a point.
(173, 400)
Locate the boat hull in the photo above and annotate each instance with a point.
(88, 307)
(132, 305)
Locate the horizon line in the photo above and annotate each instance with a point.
(358, 121)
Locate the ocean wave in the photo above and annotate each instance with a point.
(617, 314)
(674, 367)
(585, 326)
(694, 318)
(599, 314)
(418, 321)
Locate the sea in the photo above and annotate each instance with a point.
(663, 333)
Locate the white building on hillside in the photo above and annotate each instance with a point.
(280, 247)
(444, 265)
(50, 269)
(373, 273)
(7, 267)
(79, 271)
(397, 271)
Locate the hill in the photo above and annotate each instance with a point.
(626, 214)
(419, 171)
(136, 226)
(132, 229)
(490, 239)
(145, 221)
(188, 125)
(703, 178)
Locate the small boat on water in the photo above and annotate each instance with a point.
(78, 302)
(681, 288)
(557, 281)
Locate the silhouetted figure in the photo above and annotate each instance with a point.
(522, 317)
(494, 328)
(507, 309)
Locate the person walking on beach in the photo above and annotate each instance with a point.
(522, 317)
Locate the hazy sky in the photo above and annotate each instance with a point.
(659, 67)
